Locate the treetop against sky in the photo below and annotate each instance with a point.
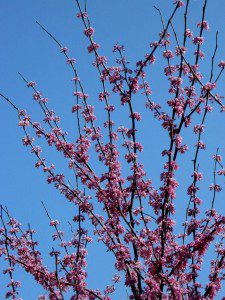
(119, 106)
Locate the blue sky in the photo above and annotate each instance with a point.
(27, 49)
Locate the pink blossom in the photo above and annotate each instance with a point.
(179, 3)
(76, 107)
(221, 172)
(54, 222)
(200, 53)
(64, 49)
(180, 50)
(168, 54)
(31, 84)
(71, 61)
(89, 31)
(222, 64)
(204, 24)
(197, 176)
(118, 47)
(201, 145)
(93, 47)
(136, 116)
(175, 81)
(189, 33)
(82, 15)
(198, 40)
(217, 157)
(215, 187)
(209, 86)
(101, 60)
(199, 128)
(178, 140)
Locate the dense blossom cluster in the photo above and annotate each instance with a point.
(137, 221)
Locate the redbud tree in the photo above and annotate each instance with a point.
(118, 201)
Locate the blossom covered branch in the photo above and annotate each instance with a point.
(133, 219)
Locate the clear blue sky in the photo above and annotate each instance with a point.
(25, 48)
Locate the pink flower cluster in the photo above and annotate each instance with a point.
(114, 196)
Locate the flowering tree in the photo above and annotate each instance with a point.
(117, 202)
